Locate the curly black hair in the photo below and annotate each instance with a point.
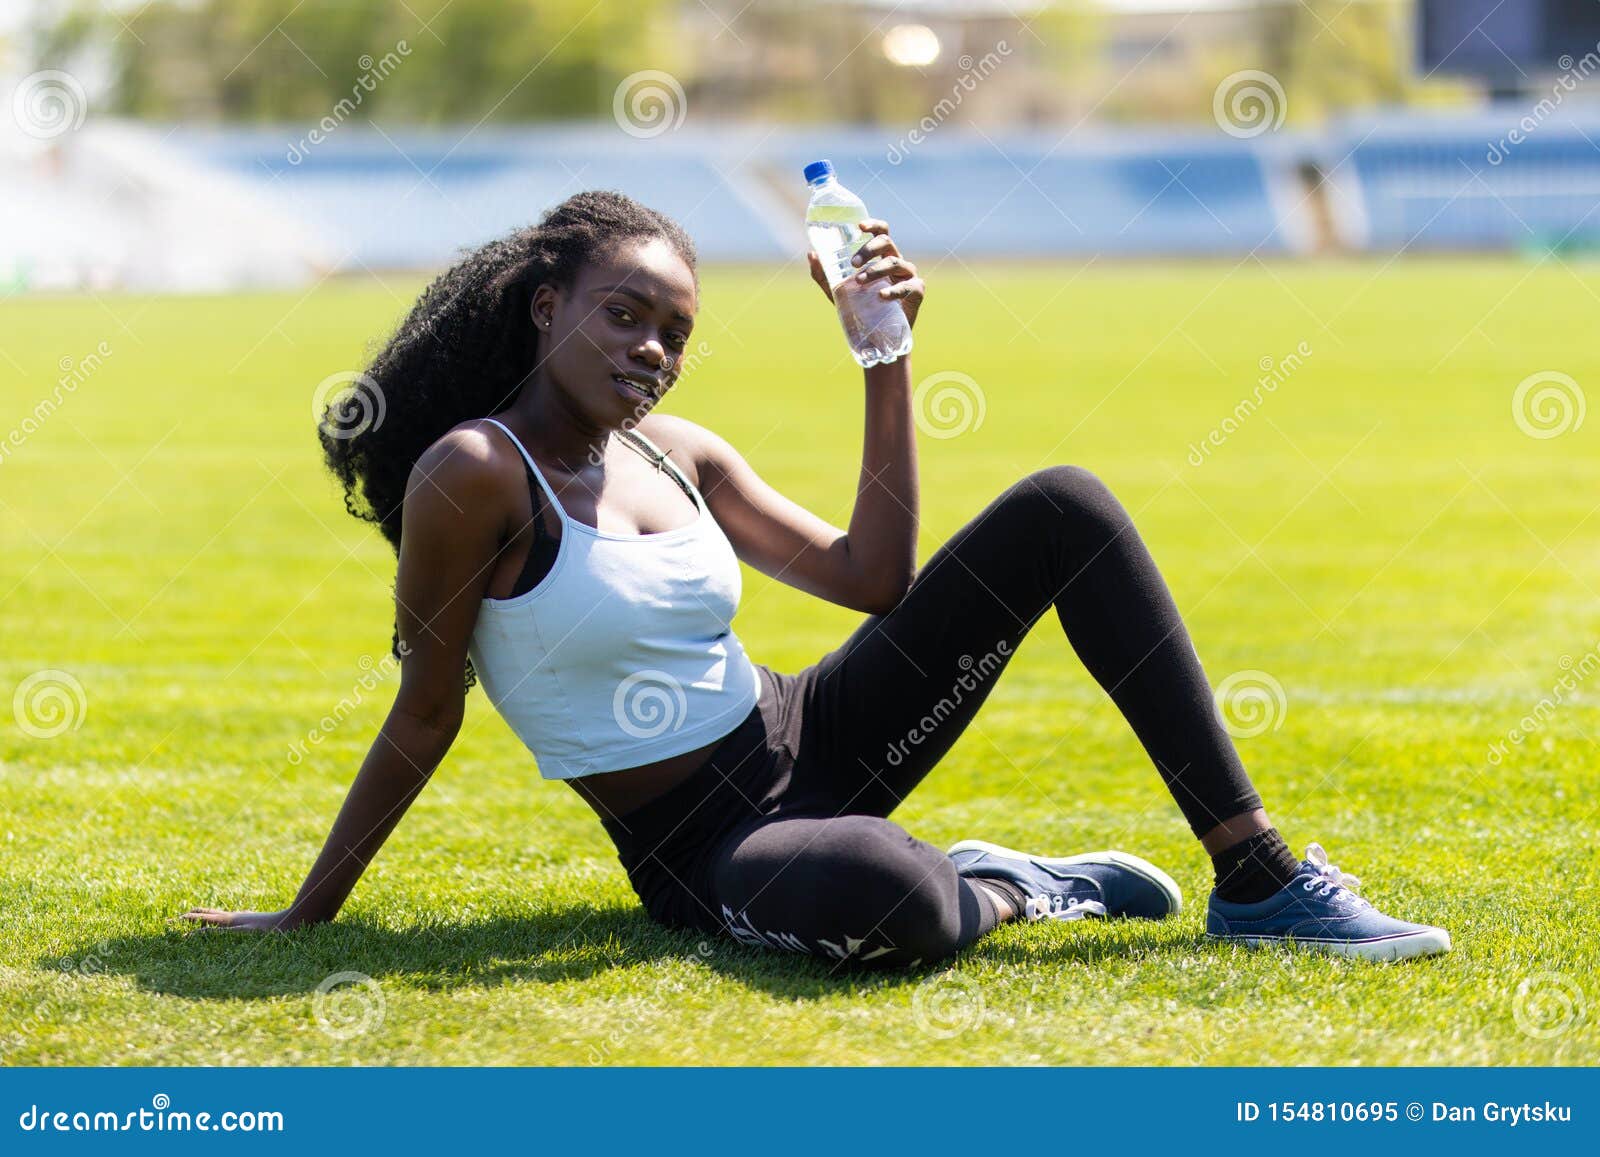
(465, 350)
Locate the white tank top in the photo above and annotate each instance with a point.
(624, 653)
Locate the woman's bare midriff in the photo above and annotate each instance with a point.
(613, 794)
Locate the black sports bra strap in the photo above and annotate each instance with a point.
(659, 457)
(537, 500)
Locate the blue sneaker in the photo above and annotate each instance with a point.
(1074, 887)
(1320, 909)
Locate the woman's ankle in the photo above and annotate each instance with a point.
(1235, 830)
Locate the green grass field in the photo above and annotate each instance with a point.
(1380, 537)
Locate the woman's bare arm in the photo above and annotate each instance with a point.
(869, 566)
(452, 530)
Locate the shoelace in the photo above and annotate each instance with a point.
(1329, 878)
(1055, 908)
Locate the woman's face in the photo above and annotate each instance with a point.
(613, 343)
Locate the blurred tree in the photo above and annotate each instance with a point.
(421, 61)
(1335, 55)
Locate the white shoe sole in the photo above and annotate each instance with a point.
(1133, 863)
(1428, 942)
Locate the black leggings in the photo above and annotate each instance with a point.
(782, 839)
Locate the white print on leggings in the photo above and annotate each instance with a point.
(745, 932)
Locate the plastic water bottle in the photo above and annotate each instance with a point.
(877, 330)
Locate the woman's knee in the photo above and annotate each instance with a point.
(926, 925)
(1070, 495)
(902, 889)
(852, 888)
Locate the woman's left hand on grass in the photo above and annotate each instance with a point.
(879, 260)
(217, 918)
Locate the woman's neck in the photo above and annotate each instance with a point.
(554, 430)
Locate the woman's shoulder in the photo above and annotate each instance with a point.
(482, 440)
(473, 458)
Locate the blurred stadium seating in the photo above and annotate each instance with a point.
(1503, 181)
(203, 208)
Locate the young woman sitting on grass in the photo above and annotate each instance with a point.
(579, 554)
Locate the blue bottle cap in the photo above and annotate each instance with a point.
(816, 170)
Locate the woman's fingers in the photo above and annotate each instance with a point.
(895, 268)
(908, 293)
(878, 259)
(818, 275)
(880, 246)
(214, 916)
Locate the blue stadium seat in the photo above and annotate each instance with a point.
(418, 197)
(1468, 183)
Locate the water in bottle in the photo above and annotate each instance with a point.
(877, 330)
